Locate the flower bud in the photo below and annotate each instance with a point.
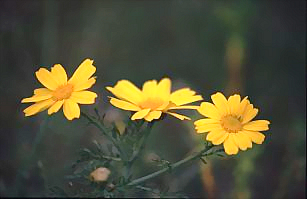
(100, 174)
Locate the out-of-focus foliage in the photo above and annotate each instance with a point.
(256, 48)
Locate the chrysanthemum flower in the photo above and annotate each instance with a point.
(153, 100)
(59, 92)
(229, 122)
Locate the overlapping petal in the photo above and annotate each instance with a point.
(140, 114)
(230, 146)
(59, 74)
(37, 98)
(83, 97)
(38, 107)
(124, 89)
(46, 78)
(209, 110)
(184, 96)
(85, 85)
(153, 115)
(55, 107)
(164, 89)
(124, 105)
(71, 109)
(220, 103)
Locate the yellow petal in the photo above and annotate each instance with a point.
(249, 114)
(183, 107)
(124, 89)
(183, 92)
(140, 114)
(213, 135)
(184, 96)
(207, 127)
(150, 88)
(153, 115)
(234, 102)
(257, 125)
(205, 121)
(124, 105)
(220, 139)
(55, 107)
(46, 78)
(255, 136)
(181, 117)
(83, 72)
(230, 146)
(242, 141)
(83, 97)
(164, 89)
(209, 110)
(85, 85)
(59, 74)
(38, 107)
(186, 100)
(36, 98)
(71, 109)
(242, 106)
(42, 91)
(221, 103)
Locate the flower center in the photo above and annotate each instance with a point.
(152, 103)
(231, 124)
(62, 92)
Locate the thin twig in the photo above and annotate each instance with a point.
(204, 152)
(141, 145)
(103, 130)
(106, 157)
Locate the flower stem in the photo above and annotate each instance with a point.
(106, 157)
(141, 145)
(203, 152)
(103, 130)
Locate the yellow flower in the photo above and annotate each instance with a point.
(60, 92)
(229, 122)
(153, 100)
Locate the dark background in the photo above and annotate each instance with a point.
(255, 48)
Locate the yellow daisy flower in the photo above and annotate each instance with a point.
(153, 100)
(60, 92)
(229, 122)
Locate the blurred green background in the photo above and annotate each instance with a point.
(255, 48)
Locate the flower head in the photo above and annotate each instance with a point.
(60, 92)
(154, 99)
(229, 122)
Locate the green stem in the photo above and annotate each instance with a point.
(141, 145)
(103, 130)
(204, 152)
(106, 157)
(147, 189)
